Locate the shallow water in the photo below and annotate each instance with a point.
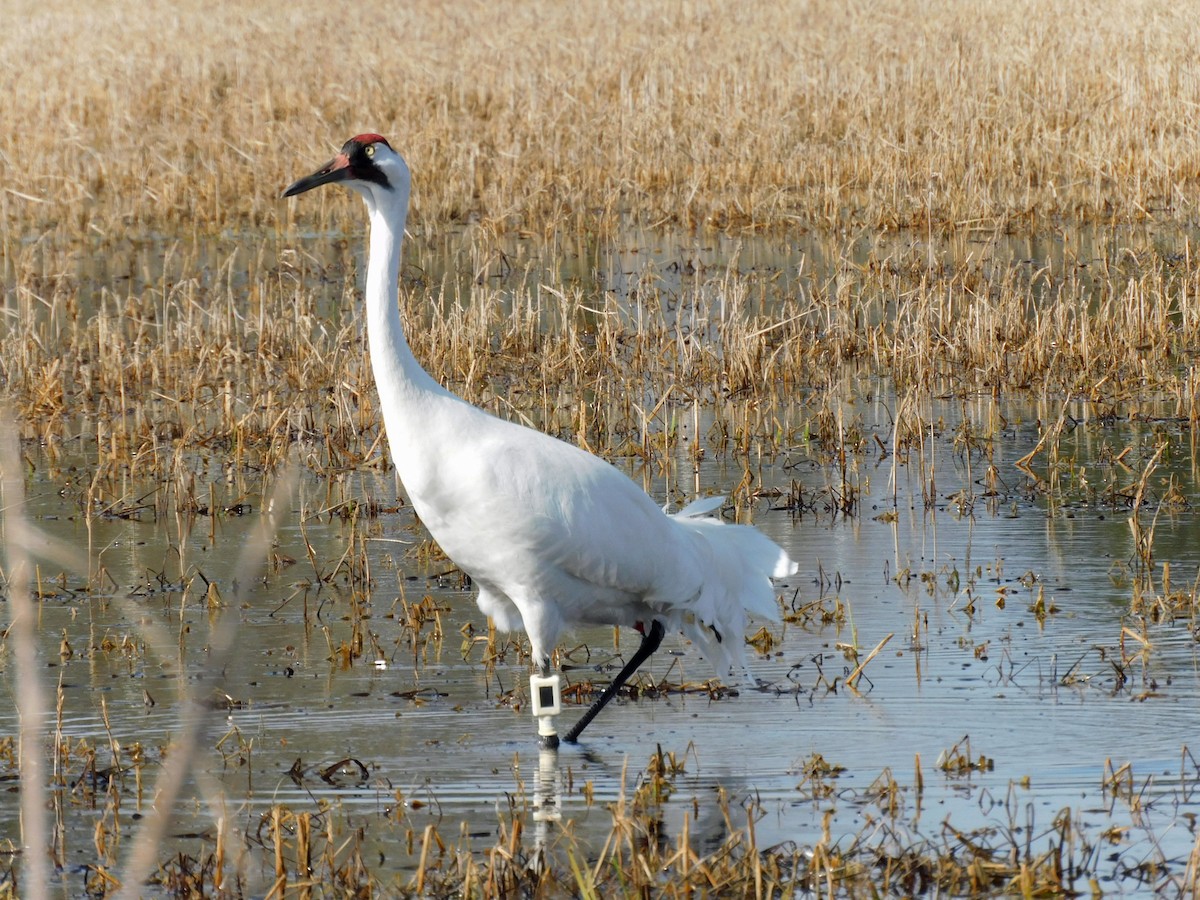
(1007, 596)
(1050, 700)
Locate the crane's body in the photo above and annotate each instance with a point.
(551, 535)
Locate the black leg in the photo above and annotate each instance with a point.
(650, 642)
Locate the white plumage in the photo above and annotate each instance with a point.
(551, 535)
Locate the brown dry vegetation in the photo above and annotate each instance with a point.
(164, 118)
(167, 133)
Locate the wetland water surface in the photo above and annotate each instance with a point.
(1039, 677)
(1008, 618)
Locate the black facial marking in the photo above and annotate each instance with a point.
(362, 165)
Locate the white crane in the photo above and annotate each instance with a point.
(551, 535)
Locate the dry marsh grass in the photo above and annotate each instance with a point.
(257, 364)
(898, 849)
(173, 118)
(153, 285)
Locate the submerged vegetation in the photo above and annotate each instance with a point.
(670, 233)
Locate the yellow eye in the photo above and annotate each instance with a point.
(370, 150)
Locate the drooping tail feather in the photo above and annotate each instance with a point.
(740, 562)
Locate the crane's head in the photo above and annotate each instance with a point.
(368, 164)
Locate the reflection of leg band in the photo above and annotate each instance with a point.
(545, 691)
(546, 788)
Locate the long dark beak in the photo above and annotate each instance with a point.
(337, 169)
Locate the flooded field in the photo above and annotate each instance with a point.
(1030, 712)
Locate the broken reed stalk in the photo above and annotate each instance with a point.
(1143, 538)
(304, 866)
(1049, 437)
(858, 670)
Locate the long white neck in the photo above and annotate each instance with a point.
(405, 389)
